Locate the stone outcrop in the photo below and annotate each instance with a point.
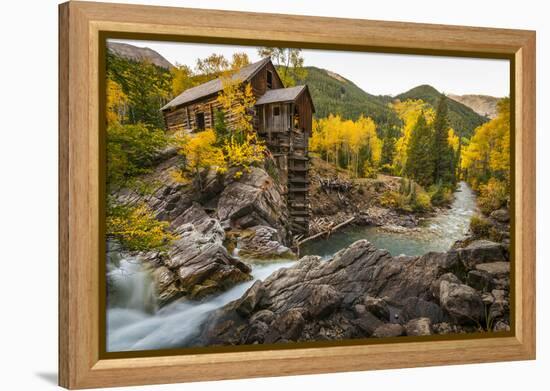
(197, 264)
(260, 242)
(205, 215)
(364, 292)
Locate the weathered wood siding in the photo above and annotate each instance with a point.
(259, 81)
(304, 105)
(185, 117)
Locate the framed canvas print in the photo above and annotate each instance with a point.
(247, 195)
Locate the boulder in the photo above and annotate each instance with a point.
(252, 200)
(367, 323)
(500, 308)
(420, 308)
(261, 242)
(501, 215)
(419, 327)
(265, 316)
(256, 333)
(286, 327)
(198, 264)
(480, 280)
(449, 277)
(495, 269)
(378, 307)
(462, 303)
(250, 299)
(501, 326)
(482, 251)
(388, 330)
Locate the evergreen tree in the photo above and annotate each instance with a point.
(443, 153)
(419, 164)
(388, 146)
(457, 159)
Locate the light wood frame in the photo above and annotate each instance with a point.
(80, 365)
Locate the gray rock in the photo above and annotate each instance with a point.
(265, 316)
(378, 307)
(199, 262)
(449, 277)
(480, 280)
(418, 327)
(253, 200)
(388, 330)
(442, 328)
(462, 303)
(482, 251)
(495, 269)
(420, 308)
(330, 295)
(501, 215)
(500, 307)
(322, 301)
(250, 299)
(288, 326)
(262, 242)
(368, 323)
(501, 326)
(256, 333)
(359, 309)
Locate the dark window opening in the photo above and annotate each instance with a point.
(269, 79)
(200, 121)
(276, 111)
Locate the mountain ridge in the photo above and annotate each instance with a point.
(136, 53)
(461, 117)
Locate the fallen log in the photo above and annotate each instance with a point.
(326, 232)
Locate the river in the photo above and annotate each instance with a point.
(135, 323)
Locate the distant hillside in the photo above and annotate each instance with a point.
(134, 53)
(334, 94)
(482, 104)
(462, 118)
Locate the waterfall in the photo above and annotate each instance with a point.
(134, 321)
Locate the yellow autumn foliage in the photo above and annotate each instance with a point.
(488, 153)
(346, 143)
(116, 102)
(137, 229)
(237, 101)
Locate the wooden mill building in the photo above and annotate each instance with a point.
(282, 117)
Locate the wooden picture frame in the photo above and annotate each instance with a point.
(81, 28)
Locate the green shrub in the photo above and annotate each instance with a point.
(411, 197)
(480, 227)
(440, 194)
(369, 171)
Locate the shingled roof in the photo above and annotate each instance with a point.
(214, 86)
(281, 95)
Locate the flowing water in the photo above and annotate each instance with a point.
(135, 323)
(437, 233)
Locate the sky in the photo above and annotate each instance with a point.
(375, 73)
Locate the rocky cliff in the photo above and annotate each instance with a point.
(482, 104)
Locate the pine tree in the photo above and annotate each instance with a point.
(443, 153)
(419, 164)
(388, 147)
(457, 160)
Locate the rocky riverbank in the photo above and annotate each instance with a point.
(365, 292)
(213, 222)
